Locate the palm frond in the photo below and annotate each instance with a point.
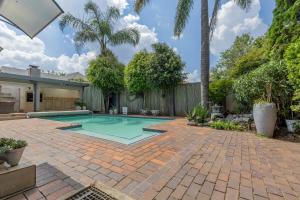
(112, 13)
(140, 4)
(81, 37)
(105, 28)
(182, 14)
(76, 23)
(214, 17)
(244, 4)
(91, 7)
(128, 35)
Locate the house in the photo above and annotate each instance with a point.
(27, 90)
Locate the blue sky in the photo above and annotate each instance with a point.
(54, 50)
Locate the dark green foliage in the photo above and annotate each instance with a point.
(219, 89)
(226, 125)
(136, 72)
(239, 48)
(292, 57)
(166, 70)
(8, 144)
(268, 81)
(248, 62)
(285, 27)
(106, 73)
(79, 103)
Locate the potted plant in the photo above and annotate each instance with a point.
(78, 104)
(265, 113)
(11, 150)
(83, 106)
(115, 110)
(111, 111)
(291, 123)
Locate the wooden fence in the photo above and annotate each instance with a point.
(57, 103)
(186, 96)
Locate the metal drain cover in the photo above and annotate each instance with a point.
(98, 192)
(91, 193)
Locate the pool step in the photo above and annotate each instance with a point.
(154, 130)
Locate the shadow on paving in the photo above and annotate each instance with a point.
(51, 183)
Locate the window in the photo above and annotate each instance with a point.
(29, 97)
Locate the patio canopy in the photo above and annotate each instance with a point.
(30, 16)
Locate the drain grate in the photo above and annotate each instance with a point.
(91, 193)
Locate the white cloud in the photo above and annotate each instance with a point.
(20, 51)
(76, 7)
(233, 21)
(193, 77)
(147, 37)
(177, 38)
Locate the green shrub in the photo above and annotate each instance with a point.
(107, 74)
(219, 89)
(136, 78)
(292, 58)
(7, 144)
(79, 103)
(268, 82)
(227, 125)
(199, 114)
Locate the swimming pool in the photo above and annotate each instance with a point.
(126, 130)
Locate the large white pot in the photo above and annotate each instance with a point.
(290, 125)
(265, 116)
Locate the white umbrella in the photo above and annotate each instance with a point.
(30, 16)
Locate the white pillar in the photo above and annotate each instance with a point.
(36, 97)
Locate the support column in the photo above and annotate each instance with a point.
(81, 93)
(36, 97)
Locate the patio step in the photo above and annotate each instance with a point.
(12, 116)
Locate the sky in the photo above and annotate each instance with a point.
(54, 50)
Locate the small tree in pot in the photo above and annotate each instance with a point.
(270, 85)
(265, 114)
(11, 150)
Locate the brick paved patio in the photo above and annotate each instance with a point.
(183, 163)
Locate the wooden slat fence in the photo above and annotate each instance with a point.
(186, 97)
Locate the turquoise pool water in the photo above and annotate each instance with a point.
(126, 130)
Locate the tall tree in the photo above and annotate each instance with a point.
(182, 14)
(98, 26)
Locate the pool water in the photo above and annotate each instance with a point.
(126, 130)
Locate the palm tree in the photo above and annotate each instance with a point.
(98, 27)
(207, 27)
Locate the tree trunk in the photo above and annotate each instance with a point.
(204, 53)
(106, 103)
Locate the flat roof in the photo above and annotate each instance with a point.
(29, 79)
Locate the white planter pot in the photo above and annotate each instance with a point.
(265, 116)
(83, 107)
(111, 112)
(290, 125)
(115, 111)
